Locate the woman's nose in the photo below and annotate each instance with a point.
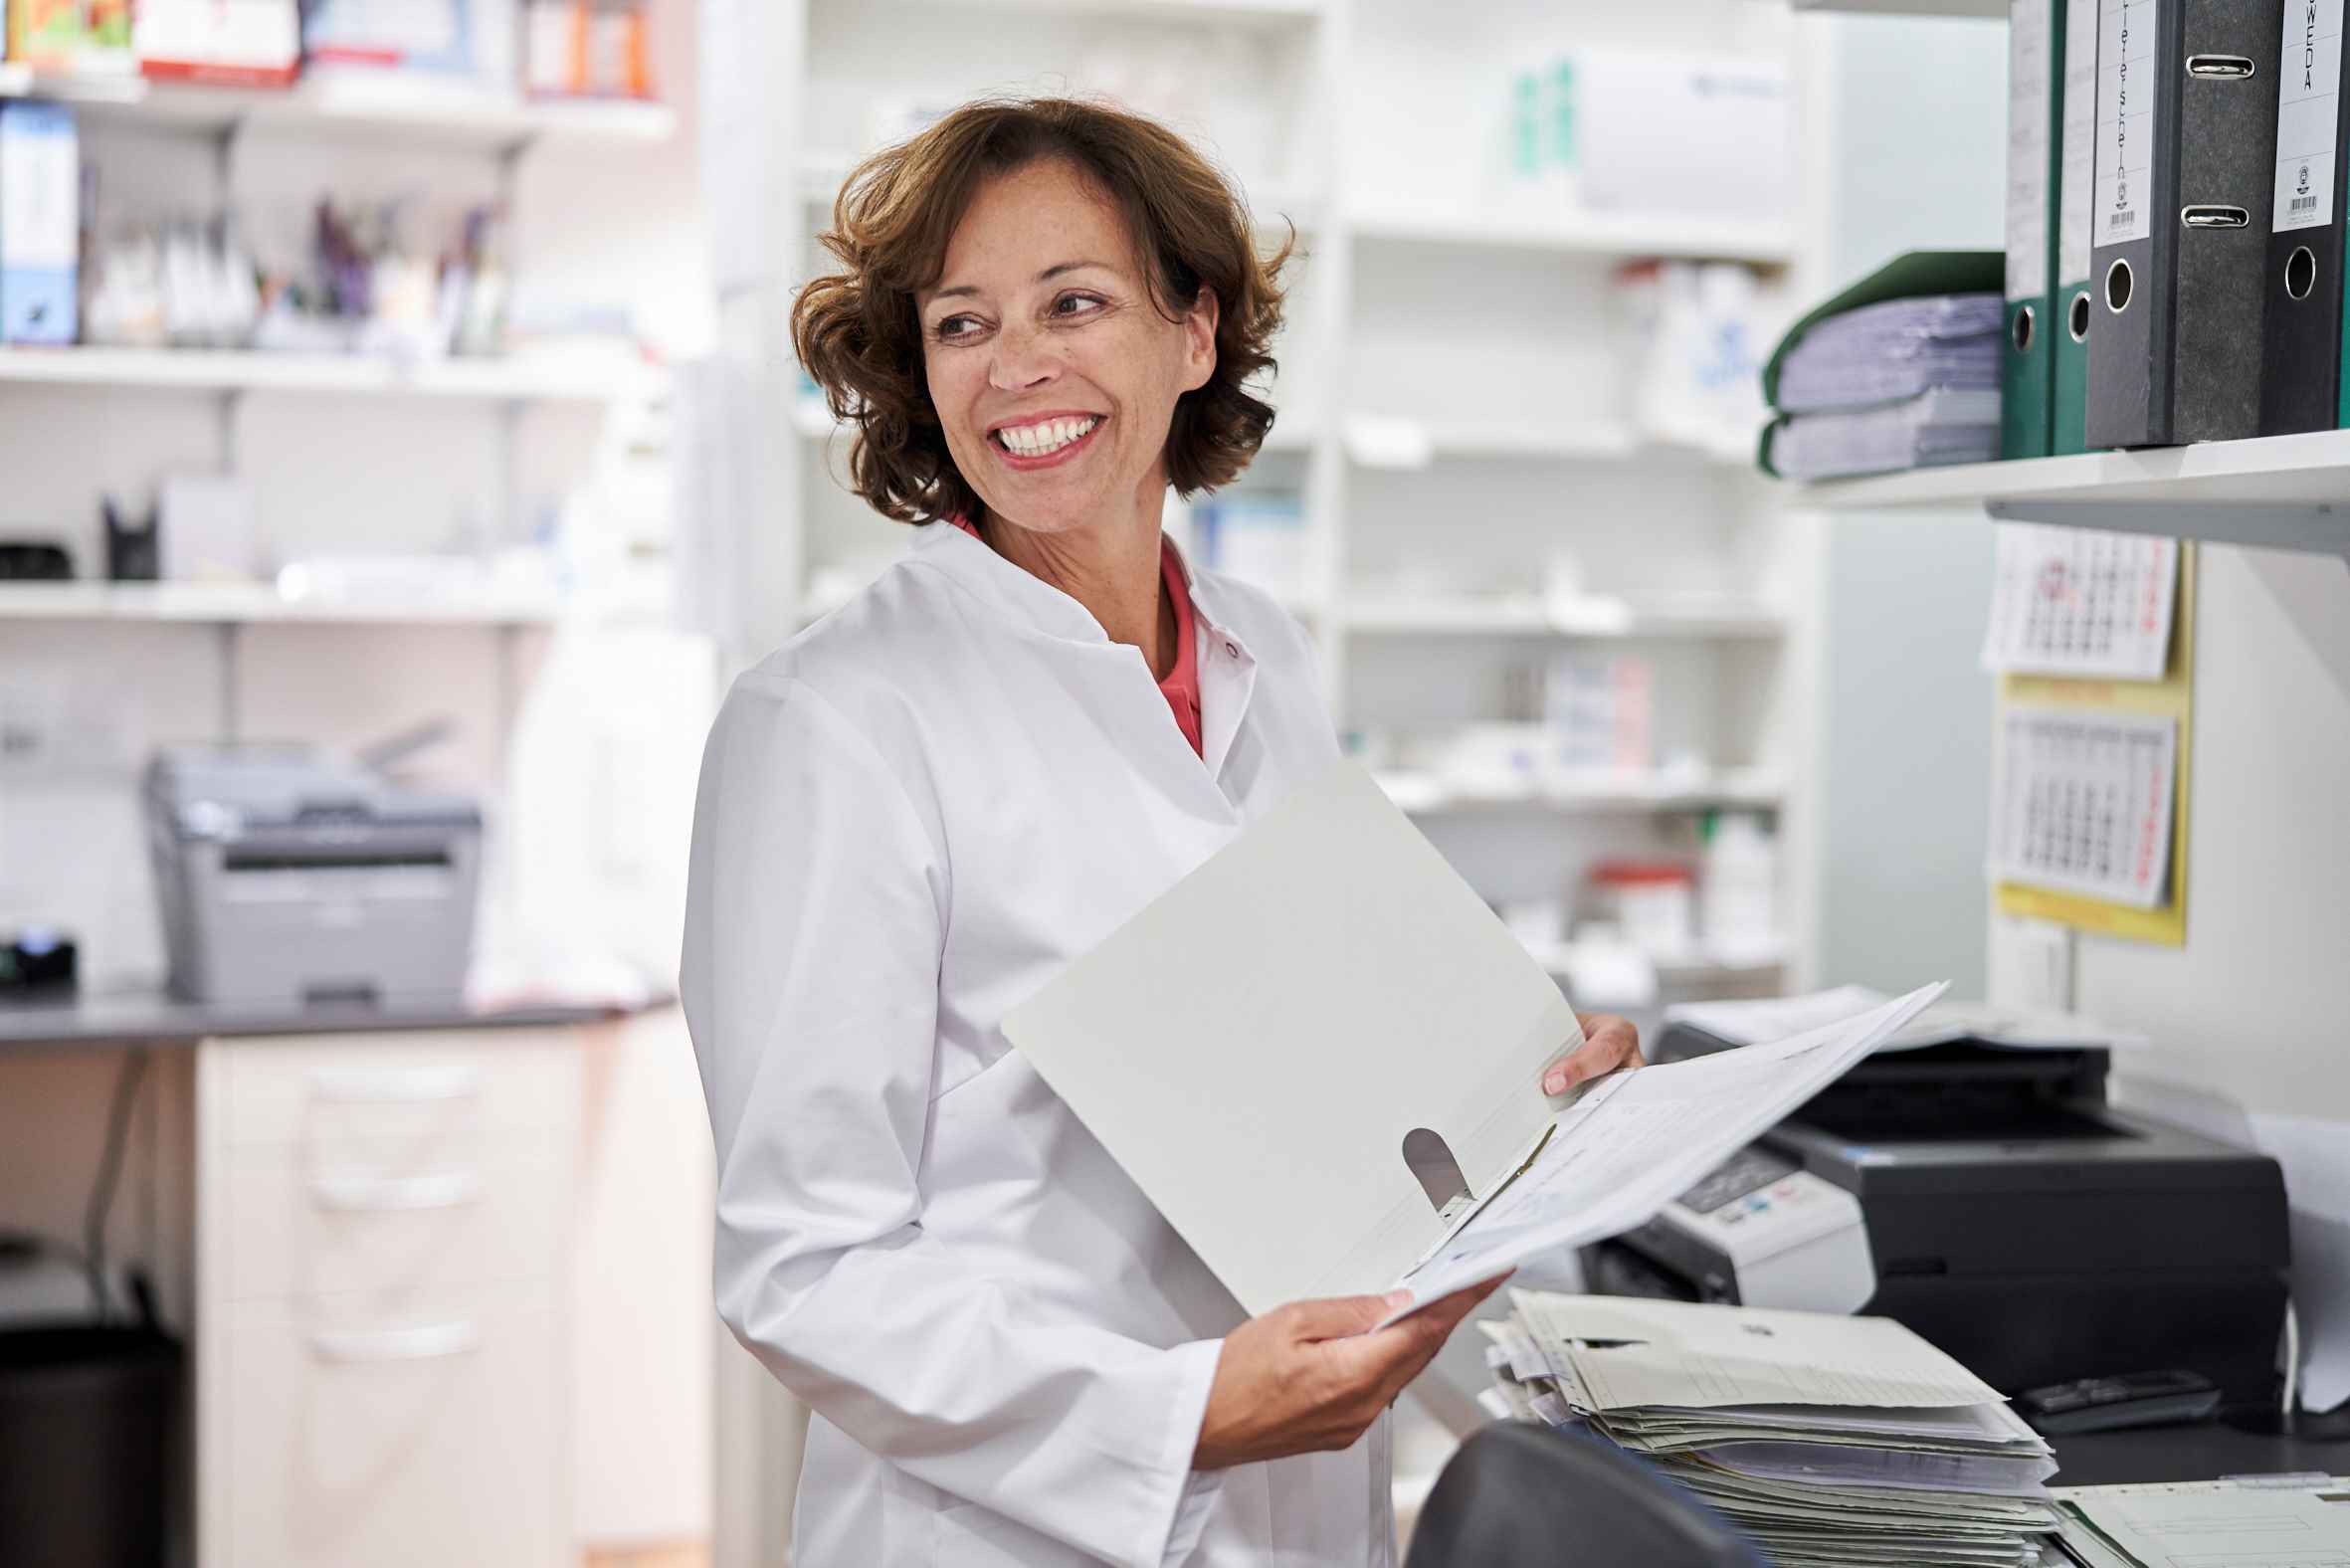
(1022, 359)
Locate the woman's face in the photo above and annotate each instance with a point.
(1052, 369)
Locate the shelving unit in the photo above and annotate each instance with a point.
(1985, 9)
(522, 379)
(2282, 491)
(1600, 619)
(1593, 234)
(248, 604)
(1428, 795)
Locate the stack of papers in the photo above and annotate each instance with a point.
(2013, 1028)
(1829, 1440)
(1905, 383)
(2265, 1521)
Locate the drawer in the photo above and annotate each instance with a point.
(436, 1438)
(393, 1223)
(324, 1091)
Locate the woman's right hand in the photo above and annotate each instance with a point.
(1306, 1378)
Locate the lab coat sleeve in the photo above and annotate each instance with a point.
(814, 920)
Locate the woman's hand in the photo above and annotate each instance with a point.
(1306, 1378)
(1609, 1042)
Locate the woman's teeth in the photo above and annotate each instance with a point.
(1051, 434)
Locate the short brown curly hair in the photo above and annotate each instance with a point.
(860, 335)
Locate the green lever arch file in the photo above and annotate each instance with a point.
(2035, 65)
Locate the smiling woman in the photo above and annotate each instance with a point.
(928, 804)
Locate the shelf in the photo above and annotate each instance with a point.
(1599, 234)
(1696, 968)
(1466, 615)
(2278, 492)
(1988, 9)
(1428, 794)
(240, 604)
(390, 104)
(1236, 13)
(253, 370)
(822, 173)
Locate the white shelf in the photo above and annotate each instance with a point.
(1697, 968)
(1236, 13)
(233, 370)
(238, 604)
(407, 105)
(1428, 794)
(2281, 491)
(1269, 201)
(1964, 8)
(1466, 615)
(1600, 234)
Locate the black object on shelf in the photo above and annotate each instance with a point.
(34, 560)
(134, 552)
(37, 962)
(87, 1414)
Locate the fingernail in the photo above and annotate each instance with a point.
(1397, 1299)
(1555, 1082)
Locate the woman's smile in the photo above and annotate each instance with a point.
(1044, 440)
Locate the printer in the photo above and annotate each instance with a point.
(288, 878)
(2006, 1211)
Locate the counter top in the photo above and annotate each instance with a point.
(142, 1018)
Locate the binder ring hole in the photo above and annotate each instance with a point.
(2229, 68)
(2117, 288)
(1433, 1165)
(2021, 330)
(2076, 317)
(2300, 272)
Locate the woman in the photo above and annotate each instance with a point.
(919, 810)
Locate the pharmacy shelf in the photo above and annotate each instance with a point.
(2279, 492)
(1699, 968)
(1232, 13)
(244, 604)
(1269, 201)
(1598, 234)
(1467, 615)
(405, 105)
(235, 370)
(1965, 8)
(1424, 794)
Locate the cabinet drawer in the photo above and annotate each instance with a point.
(322, 1091)
(435, 1437)
(386, 1223)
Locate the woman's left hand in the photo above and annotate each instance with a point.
(1609, 1042)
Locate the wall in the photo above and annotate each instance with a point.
(1915, 121)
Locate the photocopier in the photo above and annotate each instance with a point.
(1991, 1199)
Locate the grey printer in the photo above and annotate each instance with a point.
(2017, 1220)
(288, 878)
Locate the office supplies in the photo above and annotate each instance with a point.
(2036, 100)
(34, 560)
(36, 961)
(1760, 1231)
(288, 878)
(2071, 602)
(135, 552)
(2186, 162)
(1894, 350)
(1356, 1103)
(2208, 1524)
(40, 222)
(1827, 1439)
(225, 43)
(2076, 200)
(2301, 375)
(2022, 1223)
(1935, 427)
(2108, 1404)
(2081, 802)
(1910, 276)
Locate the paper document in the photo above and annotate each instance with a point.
(2076, 602)
(2082, 803)
(2015, 1028)
(2213, 1525)
(1637, 1141)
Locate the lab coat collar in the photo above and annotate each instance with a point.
(1032, 602)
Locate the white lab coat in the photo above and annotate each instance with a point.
(911, 817)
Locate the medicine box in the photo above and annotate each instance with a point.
(40, 222)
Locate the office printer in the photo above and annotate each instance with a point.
(289, 878)
(2010, 1215)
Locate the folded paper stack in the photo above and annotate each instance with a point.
(1830, 1441)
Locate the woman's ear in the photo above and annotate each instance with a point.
(1199, 339)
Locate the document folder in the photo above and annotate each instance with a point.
(2186, 163)
(2034, 93)
(2069, 329)
(1320, 1056)
(2301, 387)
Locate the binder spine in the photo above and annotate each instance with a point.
(2227, 158)
(2137, 184)
(2301, 374)
(2035, 79)
(2072, 303)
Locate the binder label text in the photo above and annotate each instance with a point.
(2129, 84)
(2308, 93)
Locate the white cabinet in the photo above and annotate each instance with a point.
(383, 1305)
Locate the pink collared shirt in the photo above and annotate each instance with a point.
(1181, 688)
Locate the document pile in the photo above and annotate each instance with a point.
(1905, 383)
(1829, 1440)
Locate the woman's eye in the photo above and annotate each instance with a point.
(1075, 304)
(955, 327)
